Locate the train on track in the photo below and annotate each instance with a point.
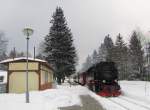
(101, 78)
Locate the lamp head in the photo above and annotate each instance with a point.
(28, 31)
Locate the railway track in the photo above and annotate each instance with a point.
(133, 101)
(121, 105)
(145, 101)
(129, 101)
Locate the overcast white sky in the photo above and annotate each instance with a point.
(89, 20)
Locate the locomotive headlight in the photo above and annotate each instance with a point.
(103, 81)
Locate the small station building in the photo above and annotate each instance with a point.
(40, 74)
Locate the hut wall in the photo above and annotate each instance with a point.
(17, 82)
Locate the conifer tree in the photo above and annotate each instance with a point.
(108, 44)
(12, 54)
(136, 55)
(87, 64)
(102, 51)
(3, 49)
(15, 54)
(41, 50)
(119, 56)
(59, 48)
(95, 57)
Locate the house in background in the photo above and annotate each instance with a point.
(40, 75)
(3, 81)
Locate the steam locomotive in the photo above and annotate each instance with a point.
(101, 78)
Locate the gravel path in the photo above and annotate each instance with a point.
(88, 103)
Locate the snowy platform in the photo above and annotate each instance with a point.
(88, 103)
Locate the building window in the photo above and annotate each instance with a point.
(1, 78)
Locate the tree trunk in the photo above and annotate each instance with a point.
(63, 79)
(59, 80)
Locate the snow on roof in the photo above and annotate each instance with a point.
(22, 58)
(4, 74)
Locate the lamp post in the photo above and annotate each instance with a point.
(27, 32)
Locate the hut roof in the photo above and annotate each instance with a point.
(23, 59)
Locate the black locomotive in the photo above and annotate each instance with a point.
(101, 78)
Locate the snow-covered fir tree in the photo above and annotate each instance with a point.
(95, 57)
(146, 73)
(40, 56)
(3, 49)
(14, 54)
(59, 48)
(87, 64)
(102, 53)
(23, 54)
(136, 56)
(108, 45)
(40, 51)
(120, 56)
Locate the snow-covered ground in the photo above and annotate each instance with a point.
(133, 98)
(50, 99)
(138, 89)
